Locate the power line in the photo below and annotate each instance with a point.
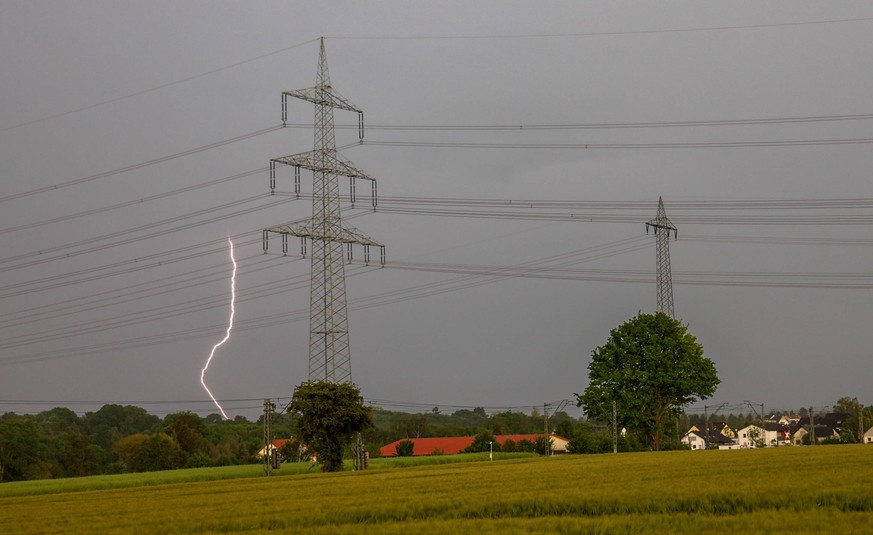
(518, 215)
(42, 259)
(592, 146)
(132, 202)
(156, 88)
(140, 165)
(591, 253)
(125, 295)
(601, 126)
(139, 263)
(599, 34)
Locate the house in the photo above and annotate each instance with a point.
(714, 427)
(277, 444)
(822, 432)
(699, 440)
(868, 436)
(766, 435)
(789, 419)
(274, 445)
(453, 445)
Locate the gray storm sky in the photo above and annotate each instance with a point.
(114, 288)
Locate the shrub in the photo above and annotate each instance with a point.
(405, 448)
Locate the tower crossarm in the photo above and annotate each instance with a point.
(660, 222)
(324, 96)
(332, 164)
(315, 230)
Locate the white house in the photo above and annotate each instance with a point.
(770, 435)
(698, 440)
(868, 436)
(694, 440)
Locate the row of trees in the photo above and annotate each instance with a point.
(59, 443)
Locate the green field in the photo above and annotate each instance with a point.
(786, 490)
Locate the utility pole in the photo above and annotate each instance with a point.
(614, 428)
(811, 429)
(269, 450)
(546, 447)
(329, 354)
(662, 227)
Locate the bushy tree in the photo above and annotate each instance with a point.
(20, 448)
(328, 416)
(188, 430)
(651, 367)
(484, 441)
(405, 448)
(853, 430)
(293, 451)
(158, 452)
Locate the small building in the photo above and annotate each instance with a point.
(868, 436)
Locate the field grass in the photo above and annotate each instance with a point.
(785, 490)
(123, 481)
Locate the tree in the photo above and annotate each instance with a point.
(157, 452)
(187, 429)
(20, 447)
(858, 419)
(293, 451)
(405, 448)
(650, 367)
(484, 441)
(328, 416)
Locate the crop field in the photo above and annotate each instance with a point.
(824, 489)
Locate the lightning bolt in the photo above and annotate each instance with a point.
(226, 335)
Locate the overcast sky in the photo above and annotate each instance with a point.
(114, 265)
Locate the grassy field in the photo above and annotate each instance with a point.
(786, 490)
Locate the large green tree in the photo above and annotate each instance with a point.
(650, 367)
(20, 448)
(858, 419)
(328, 416)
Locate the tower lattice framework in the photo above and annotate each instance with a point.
(662, 228)
(329, 354)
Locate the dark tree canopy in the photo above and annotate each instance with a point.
(405, 448)
(329, 415)
(651, 366)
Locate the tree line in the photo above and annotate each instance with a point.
(59, 443)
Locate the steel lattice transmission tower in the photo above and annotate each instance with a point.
(662, 227)
(329, 356)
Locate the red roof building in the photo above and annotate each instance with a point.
(453, 445)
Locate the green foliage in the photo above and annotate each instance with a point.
(328, 416)
(651, 366)
(405, 448)
(483, 442)
(20, 448)
(158, 452)
(853, 430)
(187, 430)
(293, 451)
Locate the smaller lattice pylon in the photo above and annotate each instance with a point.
(662, 228)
